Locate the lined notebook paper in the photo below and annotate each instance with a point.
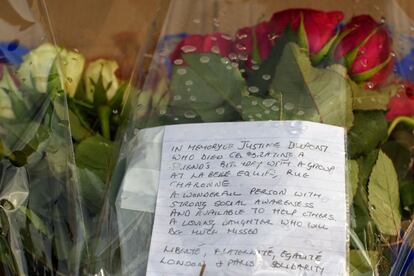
(251, 198)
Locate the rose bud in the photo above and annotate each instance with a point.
(402, 104)
(217, 43)
(364, 46)
(317, 30)
(253, 43)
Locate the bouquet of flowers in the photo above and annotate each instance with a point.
(299, 64)
(58, 118)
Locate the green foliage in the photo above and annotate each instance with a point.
(383, 196)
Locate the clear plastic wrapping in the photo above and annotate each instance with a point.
(231, 61)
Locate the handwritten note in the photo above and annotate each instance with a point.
(251, 198)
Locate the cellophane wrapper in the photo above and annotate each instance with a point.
(182, 86)
(42, 226)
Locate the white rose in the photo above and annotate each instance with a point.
(35, 70)
(106, 69)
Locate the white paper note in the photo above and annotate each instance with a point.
(251, 198)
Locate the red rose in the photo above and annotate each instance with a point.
(402, 104)
(365, 47)
(215, 43)
(316, 29)
(253, 43)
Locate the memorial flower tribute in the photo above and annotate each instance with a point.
(310, 65)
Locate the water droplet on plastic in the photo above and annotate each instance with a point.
(253, 89)
(216, 22)
(215, 49)
(220, 110)
(267, 111)
(193, 98)
(255, 67)
(242, 71)
(269, 102)
(364, 63)
(182, 71)
(226, 37)
(177, 97)
(115, 111)
(300, 113)
(176, 119)
(232, 56)
(258, 115)
(254, 102)
(241, 36)
(188, 49)
(243, 56)
(272, 36)
(240, 46)
(229, 67)
(370, 85)
(163, 111)
(289, 106)
(189, 82)
(178, 61)
(275, 108)
(266, 77)
(190, 114)
(204, 59)
(225, 60)
(382, 20)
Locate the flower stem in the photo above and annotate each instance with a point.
(104, 114)
(402, 119)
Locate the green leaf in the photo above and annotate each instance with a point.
(209, 88)
(261, 78)
(362, 262)
(364, 99)
(94, 154)
(34, 219)
(368, 132)
(353, 176)
(365, 164)
(78, 131)
(92, 189)
(260, 109)
(400, 157)
(407, 193)
(383, 196)
(309, 93)
(54, 85)
(116, 101)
